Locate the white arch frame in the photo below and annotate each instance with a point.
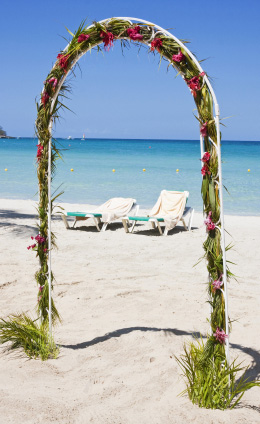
(218, 150)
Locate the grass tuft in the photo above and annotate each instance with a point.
(21, 332)
(212, 384)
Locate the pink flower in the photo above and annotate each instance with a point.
(63, 61)
(53, 81)
(40, 239)
(45, 250)
(180, 57)
(205, 170)
(134, 33)
(156, 44)
(204, 129)
(83, 37)
(41, 288)
(209, 223)
(108, 39)
(45, 97)
(32, 238)
(194, 83)
(39, 155)
(31, 247)
(220, 335)
(206, 157)
(216, 285)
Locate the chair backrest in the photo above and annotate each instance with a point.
(169, 203)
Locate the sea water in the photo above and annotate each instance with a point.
(142, 169)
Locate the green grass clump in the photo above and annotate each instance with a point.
(21, 332)
(211, 383)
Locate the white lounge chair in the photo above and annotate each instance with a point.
(110, 211)
(169, 209)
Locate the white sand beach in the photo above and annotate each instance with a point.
(128, 303)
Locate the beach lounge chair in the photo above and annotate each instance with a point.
(169, 209)
(110, 211)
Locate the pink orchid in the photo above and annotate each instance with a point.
(45, 97)
(45, 250)
(216, 285)
(53, 81)
(40, 239)
(205, 157)
(108, 39)
(31, 247)
(63, 61)
(180, 57)
(83, 37)
(41, 288)
(205, 170)
(209, 223)
(39, 155)
(156, 44)
(134, 33)
(220, 335)
(204, 129)
(194, 83)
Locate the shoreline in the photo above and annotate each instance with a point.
(15, 202)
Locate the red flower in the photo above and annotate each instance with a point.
(39, 155)
(180, 57)
(83, 37)
(108, 39)
(204, 129)
(194, 83)
(63, 61)
(45, 97)
(205, 170)
(31, 247)
(134, 33)
(206, 157)
(156, 44)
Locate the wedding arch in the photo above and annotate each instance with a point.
(211, 359)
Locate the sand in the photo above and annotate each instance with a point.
(128, 303)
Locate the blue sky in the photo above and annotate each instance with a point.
(129, 96)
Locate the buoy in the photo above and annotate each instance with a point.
(149, 147)
(177, 170)
(69, 145)
(144, 169)
(113, 170)
(72, 169)
(6, 169)
(248, 170)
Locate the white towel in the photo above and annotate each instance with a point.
(169, 206)
(115, 208)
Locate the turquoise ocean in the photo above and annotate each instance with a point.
(93, 180)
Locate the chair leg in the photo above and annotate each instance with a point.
(74, 223)
(165, 231)
(64, 219)
(104, 227)
(125, 222)
(184, 224)
(97, 222)
(159, 228)
(191, 218)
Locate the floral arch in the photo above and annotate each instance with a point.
(102, 35)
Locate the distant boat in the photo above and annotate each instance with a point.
(69, 137)
(83, 137)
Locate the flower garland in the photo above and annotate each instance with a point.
(106, 34)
